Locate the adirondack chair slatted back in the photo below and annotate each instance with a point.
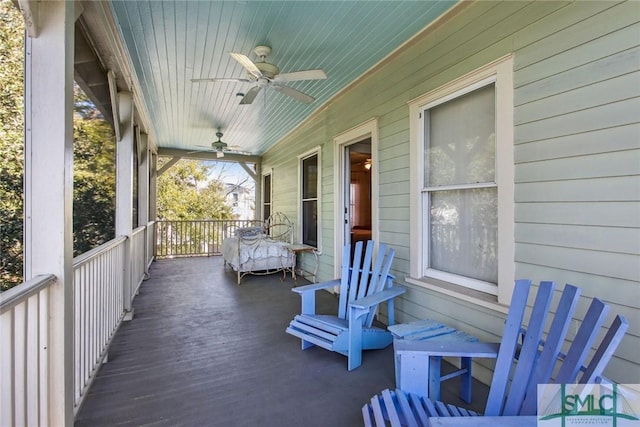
(362, 276)
(508, 346)
(543, 369)
(520, 369)
(381, 281)
(537, 356)
(529, 351)
(581, 345)
(604, 352)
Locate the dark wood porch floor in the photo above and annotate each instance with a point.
(203, 351)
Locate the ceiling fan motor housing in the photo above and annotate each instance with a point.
(268, 70)
(219, 145)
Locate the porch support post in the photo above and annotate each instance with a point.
(153, 196)
(254, 174)
(143, 192)
(48, 193)
(124, 190)
(153, 187)
(258, 214)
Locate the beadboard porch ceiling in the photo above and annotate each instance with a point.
(171, 42)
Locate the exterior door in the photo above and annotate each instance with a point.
(357, 192)
(355, 187)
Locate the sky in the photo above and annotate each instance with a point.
(231, 173)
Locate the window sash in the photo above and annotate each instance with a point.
(310, 222)
(460, 203)
(266, 196)
(310, 177)
(309, 199)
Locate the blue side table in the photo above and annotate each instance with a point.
(419, 347)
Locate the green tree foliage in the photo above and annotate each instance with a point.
(186, 193)
(94, 185)
(94, 159)
(11, 144)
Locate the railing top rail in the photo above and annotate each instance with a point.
(140, 229)
(95, 252)
(18, 294)
(229, 221)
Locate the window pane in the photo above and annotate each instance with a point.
(460, 140)
(266, 189)
(267, 212)
(310, 223)
(464, 233)
(310, 177)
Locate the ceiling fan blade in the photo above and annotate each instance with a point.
(293, 93)
(247, 64)
(250, 95)
(300, 75)
(222, 79)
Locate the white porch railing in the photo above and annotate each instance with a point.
(150, 234)
(24, 359)
(138, 267)
(99, 301)
(195, 237)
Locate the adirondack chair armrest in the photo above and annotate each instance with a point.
(375, 299)
(316, 286)
(443, 348)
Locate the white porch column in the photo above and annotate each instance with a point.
(153, 187)
(153, 195)
(124, 189)
(143, 192)
(257, 213)
(48, 191)
(143, 180)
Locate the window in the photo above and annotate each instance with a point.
(464, 181)
(309, 199)
(266, 196)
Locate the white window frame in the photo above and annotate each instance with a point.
(316, 151)
(499, 72)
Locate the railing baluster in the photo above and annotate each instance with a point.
(43, 362)
(20, 368)
(178, 238)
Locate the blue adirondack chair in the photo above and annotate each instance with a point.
(535, 359)
(364, 284)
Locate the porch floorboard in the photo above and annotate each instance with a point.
(203, 351)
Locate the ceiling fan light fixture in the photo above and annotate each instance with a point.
(367, 164)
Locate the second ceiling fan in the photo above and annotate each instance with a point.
(266, 75)
(220, 147)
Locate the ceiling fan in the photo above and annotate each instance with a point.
(220, 147)
(266, 75)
